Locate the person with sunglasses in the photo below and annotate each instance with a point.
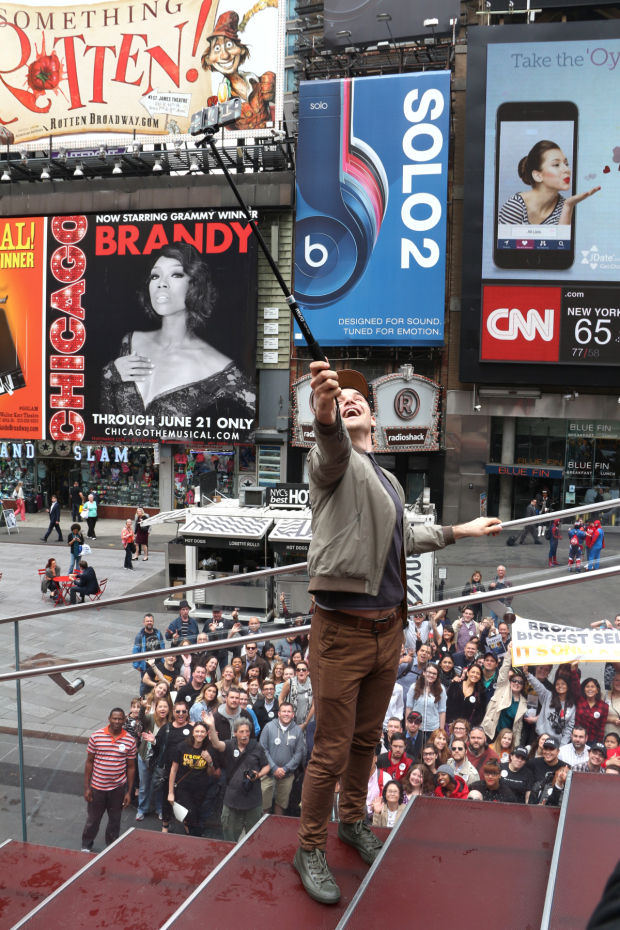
(167, 741)
(460, 763)
(508, 705)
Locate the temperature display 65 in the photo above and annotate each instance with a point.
(590, 327)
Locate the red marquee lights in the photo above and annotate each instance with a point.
(67, 333)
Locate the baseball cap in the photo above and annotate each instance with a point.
(521, 752)
(349, 378)
(414, 717)
(217, 607)
(183, 604)
(551, 743)
(598, 747)
(490, 652)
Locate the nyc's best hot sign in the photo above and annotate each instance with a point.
(103, 67)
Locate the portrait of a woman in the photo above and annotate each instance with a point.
(545, 169)
(172, 370)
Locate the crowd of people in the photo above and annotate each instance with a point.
(223, 736)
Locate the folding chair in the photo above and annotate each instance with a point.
(41, 572)
(100, 591)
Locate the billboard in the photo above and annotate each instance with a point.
(22, 270)
(370, 233)
(358, 21)
(541, 240)
(138, 67)
(129, 328)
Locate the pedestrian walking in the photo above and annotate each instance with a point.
(91, 516)
(20, 502)
(54, 513)
(75, 541)
(108, 778)
(77, 499)
(530, 511)
(128, 542)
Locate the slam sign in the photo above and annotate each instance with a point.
(431, 105)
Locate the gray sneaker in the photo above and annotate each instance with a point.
(316, 876)
(360, 836)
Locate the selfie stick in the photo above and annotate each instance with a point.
(315, 349)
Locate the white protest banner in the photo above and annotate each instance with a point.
(535, 643)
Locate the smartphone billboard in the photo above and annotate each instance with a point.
(370, 225)
(541, 240)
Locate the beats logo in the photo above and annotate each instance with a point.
(520, 324)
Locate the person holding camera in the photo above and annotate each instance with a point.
(245, 762)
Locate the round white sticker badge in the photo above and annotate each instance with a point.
(472, 699)
(277, 741)
(596, 714)
(402, 766)
(236, 753)
(270, 714)
(186, 732)
(188, 698)
(504, 773)
(122, 748)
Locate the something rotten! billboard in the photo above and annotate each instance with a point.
(148, 323)
(140, 67)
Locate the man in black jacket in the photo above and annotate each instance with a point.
(54, 513)
(253, 660)
(85, 583)
(267, 707)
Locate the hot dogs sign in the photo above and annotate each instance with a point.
(138, 65)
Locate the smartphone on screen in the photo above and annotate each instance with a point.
(535, 174)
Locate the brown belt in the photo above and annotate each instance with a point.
(381, 625)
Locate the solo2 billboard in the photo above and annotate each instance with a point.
(140, 328)
(140, 67)
(370, 234)
(541, 239)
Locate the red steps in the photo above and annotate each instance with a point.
(136, 883)
(442, 852)
(258, 887)
(29, 873)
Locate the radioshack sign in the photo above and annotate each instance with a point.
(521, 324)
(406, 409)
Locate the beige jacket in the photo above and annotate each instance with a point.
(353, 519)
(467, 771)
(381, 820)
(500, 701)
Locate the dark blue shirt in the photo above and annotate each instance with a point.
(391, 590)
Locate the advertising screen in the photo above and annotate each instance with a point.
(351, 22)
(22, 271)
(541, 238)
(370, 234)
(128, 328)
(138, 67)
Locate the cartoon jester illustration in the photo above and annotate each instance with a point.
(226, 53)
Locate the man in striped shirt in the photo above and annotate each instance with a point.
(108, 778)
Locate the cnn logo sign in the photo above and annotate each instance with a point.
(520, 324)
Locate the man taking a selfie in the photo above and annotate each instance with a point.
(356, 563)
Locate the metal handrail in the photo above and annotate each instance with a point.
(214, 646)
(499, 593)
(158, 592)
